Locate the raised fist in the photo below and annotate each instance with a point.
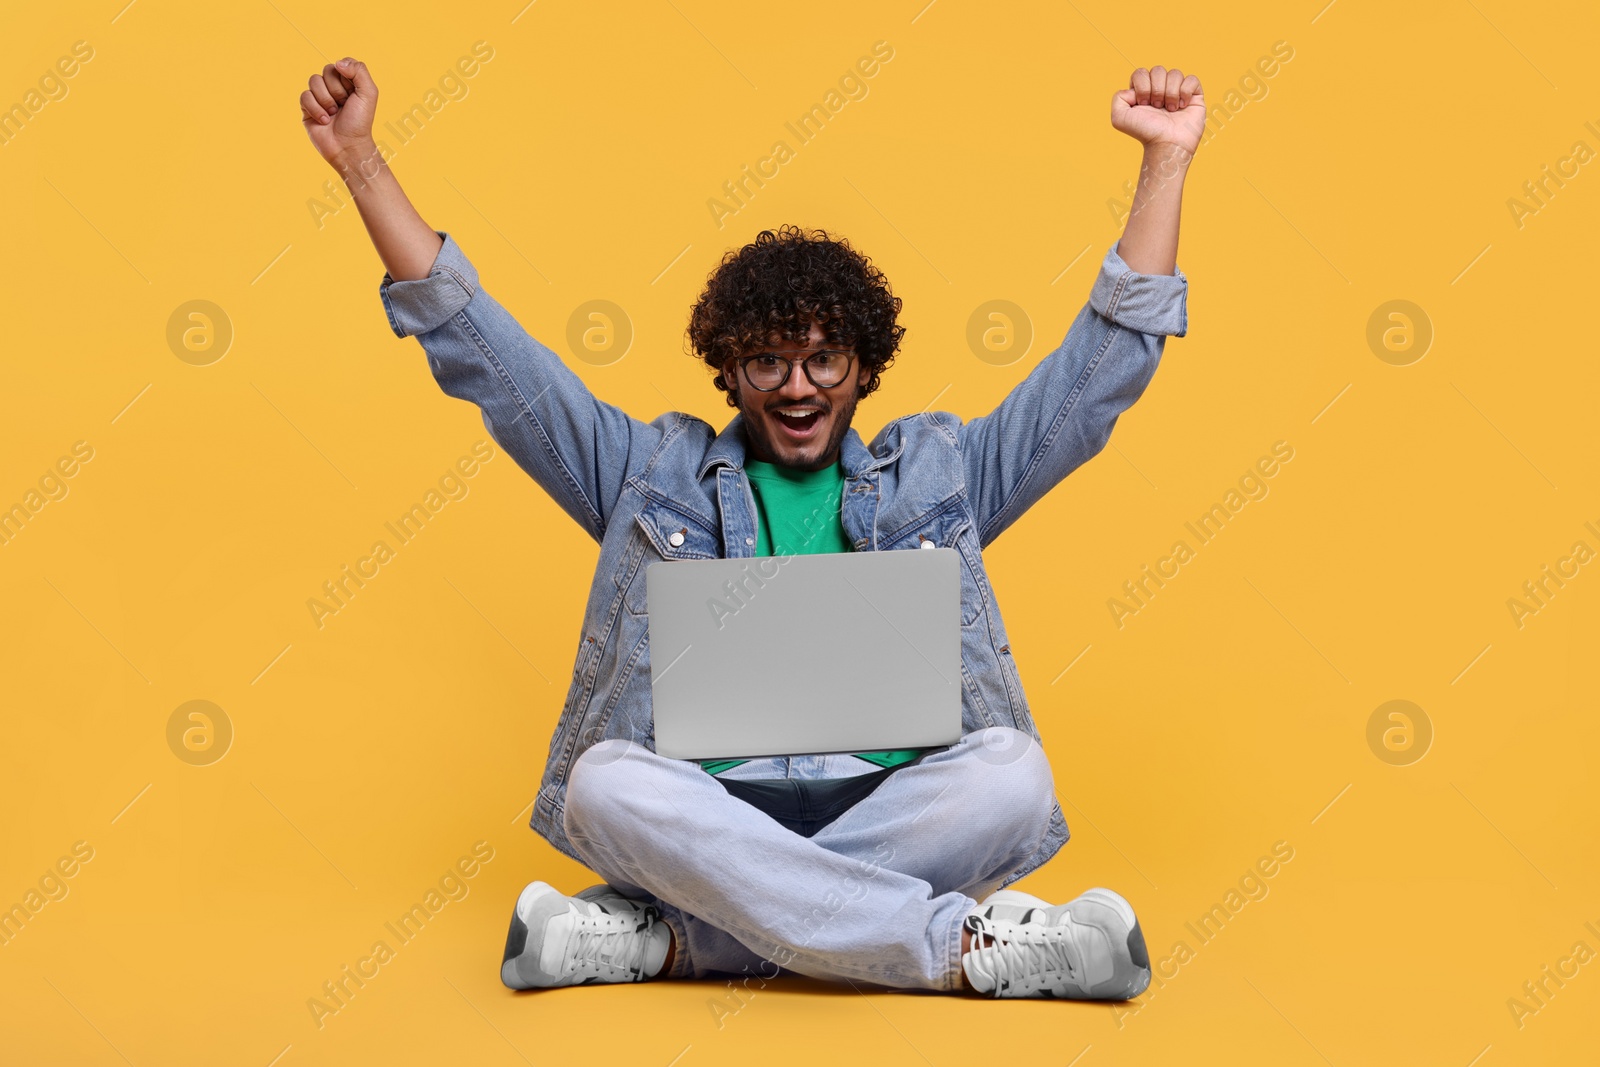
(1161, 106)
(338, 108)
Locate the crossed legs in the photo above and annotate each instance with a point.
(877, 896)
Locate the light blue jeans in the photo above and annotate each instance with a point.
(877, 896)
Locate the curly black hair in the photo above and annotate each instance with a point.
(778, 285)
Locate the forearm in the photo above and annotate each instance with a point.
(407, 245)
(1150, 241)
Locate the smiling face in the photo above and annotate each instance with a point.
(808, 436)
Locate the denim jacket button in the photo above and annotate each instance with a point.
(749, 540)
(675, 538)
(928, 543)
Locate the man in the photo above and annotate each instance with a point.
(875, 867)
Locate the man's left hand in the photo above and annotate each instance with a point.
(1161, 106)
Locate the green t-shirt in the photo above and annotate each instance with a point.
(797, 513)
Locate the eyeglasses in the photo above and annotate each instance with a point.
(768, 372)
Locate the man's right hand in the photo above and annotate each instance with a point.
(337, 110)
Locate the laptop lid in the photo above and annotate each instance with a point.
(794, 655)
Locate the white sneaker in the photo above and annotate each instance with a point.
(597, 936)
(1090, 948)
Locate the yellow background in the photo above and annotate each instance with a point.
(1229, 714)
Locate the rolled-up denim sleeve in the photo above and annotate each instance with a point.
(421, 306)
(1155, 304)
(579, 449)
(1062, 414)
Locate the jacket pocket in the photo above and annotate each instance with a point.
(949, 528)
(662, 532)
(676, 533)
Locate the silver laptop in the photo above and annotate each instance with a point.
(778, 656)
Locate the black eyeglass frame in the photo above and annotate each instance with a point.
(804, 364)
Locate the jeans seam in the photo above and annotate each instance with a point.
(954, 982)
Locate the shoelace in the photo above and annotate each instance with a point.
(613, 943)
(1023, 952)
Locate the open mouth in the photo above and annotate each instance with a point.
(798, 424)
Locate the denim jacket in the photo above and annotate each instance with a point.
(674, 488)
